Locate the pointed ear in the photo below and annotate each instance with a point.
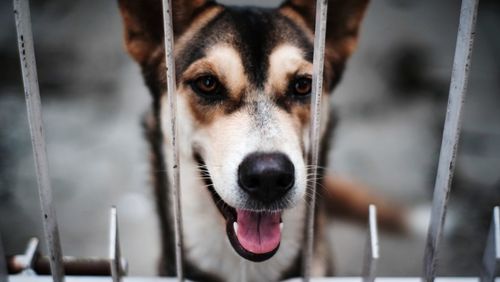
(143, 23)
(344, 20)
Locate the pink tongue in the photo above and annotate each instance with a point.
(258, 233)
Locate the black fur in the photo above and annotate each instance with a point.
(254, 32)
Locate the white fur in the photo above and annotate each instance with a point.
(223, 144)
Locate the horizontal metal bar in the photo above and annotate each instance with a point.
(33, 104)
(17, 278)
(451, 133)
(91, 266)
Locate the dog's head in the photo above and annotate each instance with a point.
(244, 92)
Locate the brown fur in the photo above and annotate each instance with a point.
(350, 199)
(144, 41)
(344, 20)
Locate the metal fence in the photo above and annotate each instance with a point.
(57, 265)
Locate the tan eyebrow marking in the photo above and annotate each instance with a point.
(225, 63)
(285, 62)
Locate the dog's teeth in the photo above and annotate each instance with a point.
(235, 226)
(281, 226)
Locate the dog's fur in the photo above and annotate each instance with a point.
(254, 53)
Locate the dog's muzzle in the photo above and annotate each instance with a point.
(266, 178)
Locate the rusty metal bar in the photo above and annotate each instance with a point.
(451, 132)
(91, 266)
(174, 168)
(32, 263)
(118, 266)
(317, 81)
(25, 263)
(32, 95)
(372, 247)
(491, 257)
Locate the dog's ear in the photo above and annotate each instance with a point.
(344, 20)
(143, 23)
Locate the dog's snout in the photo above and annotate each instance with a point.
(266, 176)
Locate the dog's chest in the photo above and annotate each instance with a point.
(207, 246)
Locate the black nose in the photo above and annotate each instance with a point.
(266, 176)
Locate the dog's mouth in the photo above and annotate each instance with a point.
(254, 235)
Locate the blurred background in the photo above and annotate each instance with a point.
(391, 104)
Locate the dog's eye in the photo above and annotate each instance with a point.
(206, 85)
(301, 86)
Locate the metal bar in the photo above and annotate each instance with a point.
(390, 279)
(91, 266)
(447, 157)
(3, 264)
(32, 95)
(24, 263)
(21, 278)
(317, 81)
(172, 102)
(371, 249)
(115, 259)
(491, 258)
(29, 256)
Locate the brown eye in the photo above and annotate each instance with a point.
(206, 85)
(302, 86)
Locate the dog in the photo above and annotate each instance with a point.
(243, 98)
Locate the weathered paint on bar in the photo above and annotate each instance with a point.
(172, 135)
(33, 104)
(317, 81)
(451, 132)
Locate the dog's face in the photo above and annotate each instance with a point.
(244, 92)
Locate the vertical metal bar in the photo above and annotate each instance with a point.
(114, 247)
(175, 166)
(458, 89)
(32, 95)
(491, 257)
(29, 256)
(317, 81)
(3, 263)
(371, 248)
